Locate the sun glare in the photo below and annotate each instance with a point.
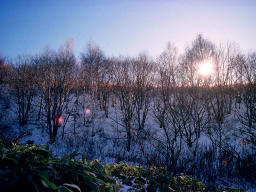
(205, 68)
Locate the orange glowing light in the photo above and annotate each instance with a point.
(60, 120)
(87, 111)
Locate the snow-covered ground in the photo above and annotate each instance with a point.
(88, 131)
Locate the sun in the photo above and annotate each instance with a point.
(205, 68)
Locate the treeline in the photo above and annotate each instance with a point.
(185, 105)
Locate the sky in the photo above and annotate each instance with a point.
(123, 27)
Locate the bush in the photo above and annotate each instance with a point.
(33, 168)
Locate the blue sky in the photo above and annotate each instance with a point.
(123, 27)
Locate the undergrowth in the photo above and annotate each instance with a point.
(33, 168)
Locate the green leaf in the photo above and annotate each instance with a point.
(64, 189)
(69, 157)
(48, 183)
(72, 186)
(43, 173)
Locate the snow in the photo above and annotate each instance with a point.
(88, 131)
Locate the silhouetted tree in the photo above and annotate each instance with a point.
(56, 81)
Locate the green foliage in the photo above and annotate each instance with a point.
(157, 179)
(32, 168)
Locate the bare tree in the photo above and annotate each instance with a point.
(104, 84)
(142, 83)
(23, 83)
(124, 91)
(56, 83)
(191, 99)
(92, 63)
(6, 69)
(2, 69)
(164, 103)
(247, 115)
(200, 50)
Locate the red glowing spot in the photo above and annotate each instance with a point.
(60, 120)
(87, 111)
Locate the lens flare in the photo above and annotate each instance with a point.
(60, 120)
(87, 111)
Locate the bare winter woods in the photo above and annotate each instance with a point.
(159, 111)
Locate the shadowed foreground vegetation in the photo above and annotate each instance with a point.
(33, 168)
